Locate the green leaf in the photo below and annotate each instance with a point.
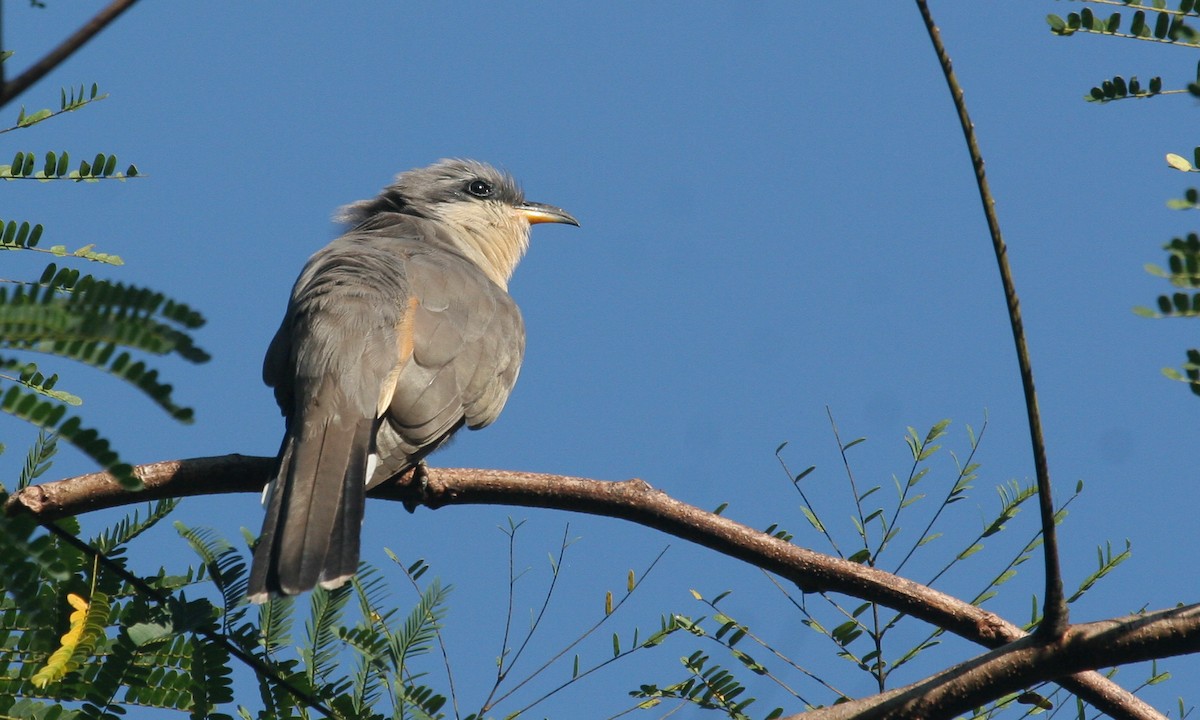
(1032, 698)
(1138, 25)
(750, 663)
(51, 164)
(1162, 26)
(145, 633)
(812, 519)
(970, 551)
(27, 120)
(1057, 25)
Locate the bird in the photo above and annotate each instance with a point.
(397, 334)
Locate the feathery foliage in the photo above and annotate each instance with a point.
(1170, 23)
(1183, 272)
(873, 640)
(57, 166)
(70, 100)
(1155, 23)
(72, 632)
(76, 316)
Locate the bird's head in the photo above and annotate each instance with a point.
(483, 211)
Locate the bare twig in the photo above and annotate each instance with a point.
(437, 631)
(1054, 612)
(632, 500)
(588, 632)
(537, 620)
(65, 49)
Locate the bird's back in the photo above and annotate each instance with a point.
(394, 297)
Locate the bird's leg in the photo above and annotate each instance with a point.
(421, 476)
(418, 484)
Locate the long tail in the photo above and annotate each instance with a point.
(315, 510)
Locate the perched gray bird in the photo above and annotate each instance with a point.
(397, 334)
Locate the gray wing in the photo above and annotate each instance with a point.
(468, 340)
(389, 346)
(329, 365)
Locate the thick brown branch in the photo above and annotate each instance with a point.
(632, 500)
(64, 50)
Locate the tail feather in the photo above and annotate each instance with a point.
(314, 514)
(263, 582)
(341, 558)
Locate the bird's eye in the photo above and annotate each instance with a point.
(479, 188)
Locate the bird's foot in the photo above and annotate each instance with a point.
(419, 485)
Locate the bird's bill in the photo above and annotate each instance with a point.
(540, 213)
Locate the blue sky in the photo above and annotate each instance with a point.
(778, 215)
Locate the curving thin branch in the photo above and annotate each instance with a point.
(65, 49)
(1054, 611)
(632, 500)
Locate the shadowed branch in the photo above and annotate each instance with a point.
(1025, 663)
